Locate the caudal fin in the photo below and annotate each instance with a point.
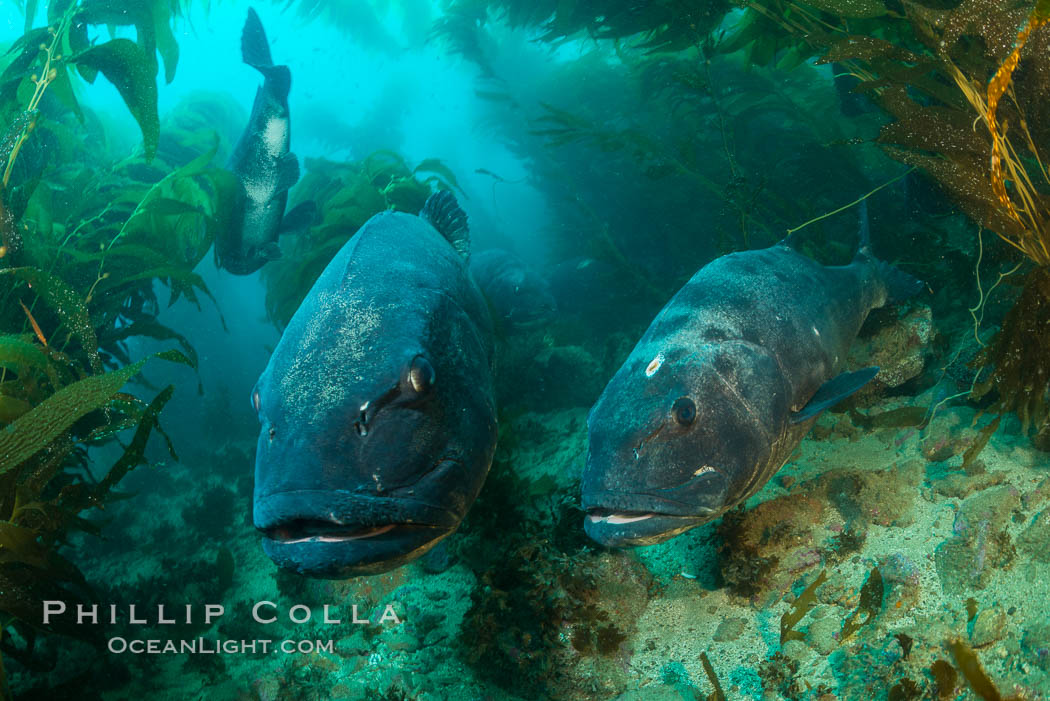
(255, 50)
(899, 284)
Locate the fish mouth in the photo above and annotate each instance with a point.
(626, 529)
(336, 535)
(318, 531)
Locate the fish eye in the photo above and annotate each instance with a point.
(420, 375)
(684, 411)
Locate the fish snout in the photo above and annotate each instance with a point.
(620, 518)
(335, 534)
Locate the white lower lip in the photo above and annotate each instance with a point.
(340, 539)
(617, 519)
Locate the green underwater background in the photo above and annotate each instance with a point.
(616, 146)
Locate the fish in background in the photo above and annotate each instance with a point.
(263, 165)
(377, 408)
(519, 297)
(722, 387)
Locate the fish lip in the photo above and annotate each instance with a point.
(618, 519)
(334, 535)
(639, 503)
(347, 510)
(339, 559)
(298, 531)
(619, 529)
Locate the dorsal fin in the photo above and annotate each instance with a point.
(444, 214)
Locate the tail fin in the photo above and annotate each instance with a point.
(255, 51)
(899, 284)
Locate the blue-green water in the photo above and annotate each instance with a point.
(603, 153)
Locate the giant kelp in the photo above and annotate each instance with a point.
(85, 247)
(963, 90)
(656, 151)
(656, 26)
(347, 195)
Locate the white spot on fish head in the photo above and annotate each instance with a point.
(654, 364)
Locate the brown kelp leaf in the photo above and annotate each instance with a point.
(126, 65)
(982, 440)
(1018, 356)
(870, 605)
(967, 183)
(67, 305)
(967, 662)
(865, 48)
(994, 21)
(12, 407)
(799, 608)
(938, 130)
(20, 355)
(851, 9)
(135, 454)
(437, 166)
(18, 544)
(152, 22)
(23, 587)
(49, 419)
(944, 680)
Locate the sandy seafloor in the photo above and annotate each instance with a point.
(962, 554)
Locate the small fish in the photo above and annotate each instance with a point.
(378, 421)
(264, 166)
(721, 388)
(518, 296)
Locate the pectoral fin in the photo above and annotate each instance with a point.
(834, 391)
(287, 172)
(299, 218)
(270, 251)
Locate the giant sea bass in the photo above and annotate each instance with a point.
(721, 388)
(378, 422)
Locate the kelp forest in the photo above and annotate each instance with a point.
(659, 135)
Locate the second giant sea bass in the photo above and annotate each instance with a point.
(721, 388)
(263, 165)
(377, 409)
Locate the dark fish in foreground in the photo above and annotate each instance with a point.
(721, 388)
(264, 167)
(518, 296)
(377, 410)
